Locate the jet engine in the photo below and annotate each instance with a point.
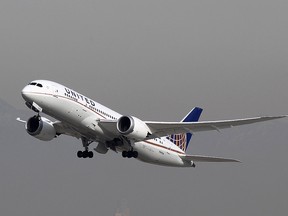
(133, 128)
(40, 128)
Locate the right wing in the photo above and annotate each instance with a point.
(60, 127)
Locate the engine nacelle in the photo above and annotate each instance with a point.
(133, 128)
(40, 128)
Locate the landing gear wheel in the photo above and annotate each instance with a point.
(135, 154)
(85, 154)
(124, 154)
(90, 154)
(79, 154)
(129, 154)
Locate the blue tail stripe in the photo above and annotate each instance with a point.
(194, 115)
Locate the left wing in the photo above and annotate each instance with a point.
(160, 129)
(167, 128)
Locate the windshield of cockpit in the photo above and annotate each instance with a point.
(36, 84)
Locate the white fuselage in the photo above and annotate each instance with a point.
(82, 114)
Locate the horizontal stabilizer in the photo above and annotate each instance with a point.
(201, 158)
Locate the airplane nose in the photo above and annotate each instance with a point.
(25, 92)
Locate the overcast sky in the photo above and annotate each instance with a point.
(155, 60)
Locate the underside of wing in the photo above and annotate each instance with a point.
(201, 158)
(62, 128)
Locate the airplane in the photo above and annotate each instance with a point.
(160, 143)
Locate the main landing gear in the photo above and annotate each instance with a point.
(86, 153)
(129, 154)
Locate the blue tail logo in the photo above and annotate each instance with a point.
(182, 140)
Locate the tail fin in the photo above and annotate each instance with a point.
(182, 140)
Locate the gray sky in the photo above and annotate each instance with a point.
(155, 60)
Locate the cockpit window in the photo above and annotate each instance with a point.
(36, 84)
